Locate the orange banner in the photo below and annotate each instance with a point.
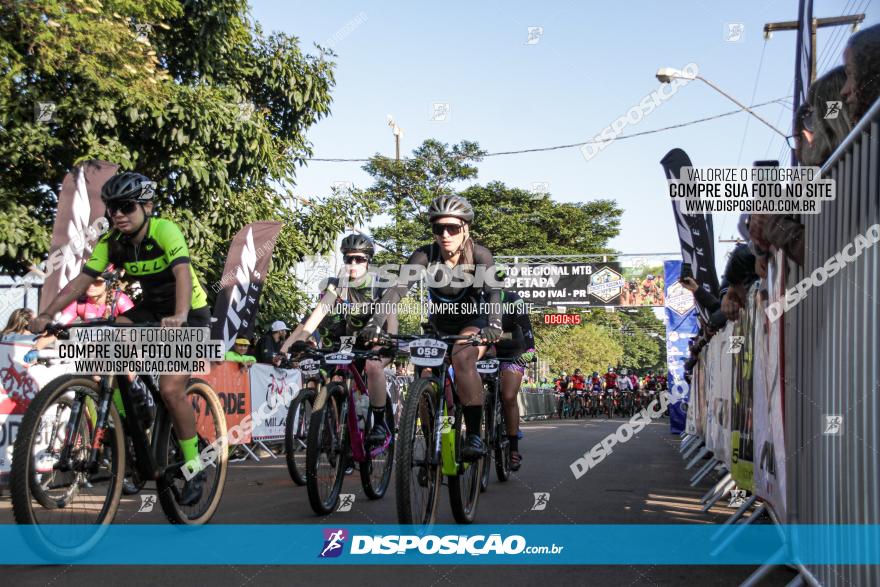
(232, 384)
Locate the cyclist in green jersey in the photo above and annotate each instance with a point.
(343, 311)
(153, 252)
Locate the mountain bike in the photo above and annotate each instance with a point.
(431, 437)
(70, 454)
(335, 438)
(299, 416)
(494, 423)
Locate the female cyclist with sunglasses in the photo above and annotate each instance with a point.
(359, 292)
(460, 308)
(154, 252)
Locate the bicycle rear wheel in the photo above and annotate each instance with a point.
(464, 488)
(488, 440)
(417, 481)
(296, 433)
(327, 449)
(376, 470)
(211, 432)
(48, 493)
(502, 445)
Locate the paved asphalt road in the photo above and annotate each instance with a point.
(643, 481)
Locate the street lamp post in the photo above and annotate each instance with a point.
(667, 74)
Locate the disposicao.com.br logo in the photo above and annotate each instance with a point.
(432, 544)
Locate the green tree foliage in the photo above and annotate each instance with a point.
(189, 92)
(589, 347)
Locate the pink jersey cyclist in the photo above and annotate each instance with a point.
(89, 310)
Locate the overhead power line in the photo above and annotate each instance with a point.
(575, 145)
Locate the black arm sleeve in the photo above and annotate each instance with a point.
(485, 263)
(398, 289)
(707, 300)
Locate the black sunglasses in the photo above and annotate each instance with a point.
(452, 229)
(125, 207)
(354, 259)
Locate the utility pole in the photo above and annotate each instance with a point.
(817, 23)
(398, 132)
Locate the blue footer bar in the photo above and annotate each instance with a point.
(447, 544)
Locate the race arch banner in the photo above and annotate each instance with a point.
(585, 285)
(681, 328)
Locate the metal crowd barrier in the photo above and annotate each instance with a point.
(536, 403)
(832, 345)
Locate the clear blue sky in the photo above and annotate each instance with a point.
(594, 61)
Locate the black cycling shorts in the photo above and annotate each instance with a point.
(447, 327)
(197, 317)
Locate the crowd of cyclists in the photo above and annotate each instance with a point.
(610, 394)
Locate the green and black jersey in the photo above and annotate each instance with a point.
(354, 307)
(150, 263)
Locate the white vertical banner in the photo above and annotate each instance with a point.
(272, 390)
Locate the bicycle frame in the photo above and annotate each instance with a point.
(146, 459)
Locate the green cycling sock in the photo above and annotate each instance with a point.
(190, 449)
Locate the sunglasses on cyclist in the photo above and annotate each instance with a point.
(354, 259)
(452, 229)
(125, 207)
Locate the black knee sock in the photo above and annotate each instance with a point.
(473, 415)
(514, 442)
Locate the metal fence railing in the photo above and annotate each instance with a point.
(832, 350)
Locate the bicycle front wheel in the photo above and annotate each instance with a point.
(47, 490)
(376, 470)
(464, 488)
(417, 481)
(326, 450)
(212, 445)
(296, 433)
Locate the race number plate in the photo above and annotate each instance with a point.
(309, 367)
(488, 366)
(427, 352)
(339, 359)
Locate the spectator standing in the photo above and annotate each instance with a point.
(269, 346)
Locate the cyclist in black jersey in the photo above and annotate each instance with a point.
(154, 252)
(521, 347)
(453, 248)
(343, 311)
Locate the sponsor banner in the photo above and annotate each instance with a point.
(770, 480)
(585, 284)
(231, 381)
(681, 327)
(19, 383)
(242, 281)
(741, 428)
(275, 388)
(79, 205)
(695, 231)
(525, 544)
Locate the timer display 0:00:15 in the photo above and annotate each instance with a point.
(565, 319)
